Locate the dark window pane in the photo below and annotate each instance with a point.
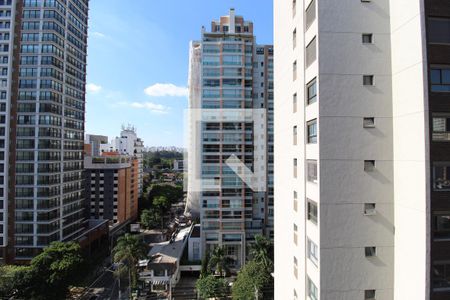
(439, 30)
(446, 76)
(435, 76)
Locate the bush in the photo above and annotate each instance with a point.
(252, 278)
(211, 287)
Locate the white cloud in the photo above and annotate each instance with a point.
(153, 107)
(93, 88)
(98, 34)
(166, 89)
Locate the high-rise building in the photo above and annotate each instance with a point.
(362, 149)
(129, 144)
(112, 187)
(95, 141)
(230, 75)
(42, 104)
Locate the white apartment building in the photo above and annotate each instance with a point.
(362, 149)
(230, 74)
(128, 144)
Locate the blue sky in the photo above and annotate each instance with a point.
(138, 61)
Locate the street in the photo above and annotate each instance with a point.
(104, 288)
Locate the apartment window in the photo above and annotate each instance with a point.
(369, 294)
(295, 267)
(439, 30)
(311, 92)
(312, 211)
(440, 79)
(313, 293)
(369, 122)
(294, 8)
(367, 38)
(441, 176)
(295, 167)
(441, 128)
(369, 165)
(294, 103)
(295, 233)
(311, 127)
(294, 70)
(313, 252)
(310, 52)
(294, 38)
(367, 79)
(441, 225)
(294, 129)
(311, 166)
(295, 201)
(441, 275)
(369, 209)
(370, 251)
(310, 14)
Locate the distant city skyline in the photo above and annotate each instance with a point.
(144, 82)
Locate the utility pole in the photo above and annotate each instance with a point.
(256, 293)
(120, 292)
(170, 287)
(129, 282)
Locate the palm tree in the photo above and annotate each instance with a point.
(219, 261)
(128, 251)
(262, 251)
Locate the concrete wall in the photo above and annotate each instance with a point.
(285, 151)
(411, 171)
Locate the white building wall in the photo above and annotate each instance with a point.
(344, 145)
(411, 166)
(343, 231)
(285, 184)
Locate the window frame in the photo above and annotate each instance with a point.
(369, 36)
(310, 99)
(313, 252)
(444, 180)
(310, 207)
(370, 78)
(311, 132)
(369, 122)
(441, 69)
(442, 233)
(370, 251)
(311, 163)
(369, 165)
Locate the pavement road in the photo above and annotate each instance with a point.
(104, 288)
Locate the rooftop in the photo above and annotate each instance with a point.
(170, 251)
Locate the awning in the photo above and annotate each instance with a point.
(159, 282)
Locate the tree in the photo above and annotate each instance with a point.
(172, 193)
(211, 287)
(219, 262)
(251, 280)
(150, 218)
(49, 275)
(204, 269)
(161, 204)
(126, 254)
(261, 251)
(11, 280)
